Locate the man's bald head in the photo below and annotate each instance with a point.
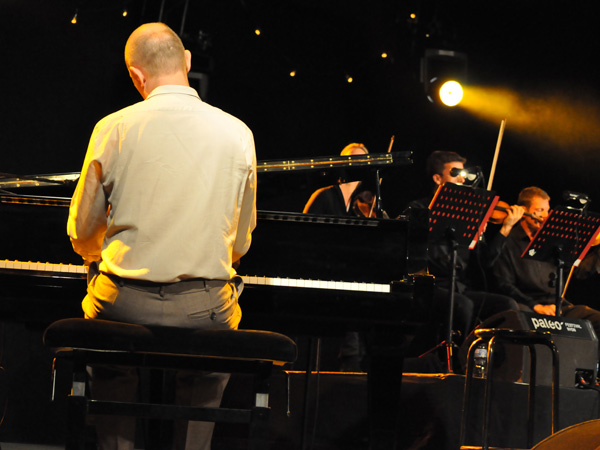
(155, 49)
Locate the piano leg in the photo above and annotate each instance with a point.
(384, 380)
(313, 355)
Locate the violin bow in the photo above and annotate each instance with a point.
(495, 162)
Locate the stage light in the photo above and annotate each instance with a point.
(125, 13)
(74, 19)
(384, 55)
(293, 73)
(349, 79)
(444, 91)
(257, 31)
(451, 93)
(439, 67)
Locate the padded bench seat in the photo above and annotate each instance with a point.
(83, 342)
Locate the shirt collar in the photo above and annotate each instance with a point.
(173, 89)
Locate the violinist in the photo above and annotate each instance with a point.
(343, 198)
(529, 281)
(473, 301)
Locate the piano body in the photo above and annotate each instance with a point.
(307, 253)
(330, 275)
(304, 275)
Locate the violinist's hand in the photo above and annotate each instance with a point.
(514, 213)
(549, 310)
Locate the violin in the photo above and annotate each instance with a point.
(363, 205)
(501, 211)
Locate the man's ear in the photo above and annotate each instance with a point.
(139, 80)
(437, 178)
(188, 60)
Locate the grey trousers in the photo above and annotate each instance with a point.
(187, 304)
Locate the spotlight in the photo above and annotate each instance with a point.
(450, 92)
(439, 67)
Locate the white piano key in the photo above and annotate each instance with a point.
(250, 280)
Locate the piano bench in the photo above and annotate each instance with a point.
(81, 342)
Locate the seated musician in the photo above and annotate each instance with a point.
(343, 198)
(165, 204)
(473, 300)
(584, 284)
(340, 200)
(529, 281)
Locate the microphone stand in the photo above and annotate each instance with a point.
(480, 178)
(447, 227)
(560, 266)
(449, 332)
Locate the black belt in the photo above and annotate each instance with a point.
(189, 283)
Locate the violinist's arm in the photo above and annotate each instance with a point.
(590, 265)
(514, 213)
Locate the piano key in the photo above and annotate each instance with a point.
(28, 266)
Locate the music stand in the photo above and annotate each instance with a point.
(564, 238)
(458, 215)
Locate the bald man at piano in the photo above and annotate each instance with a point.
(165, 204)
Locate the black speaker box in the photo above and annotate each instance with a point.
(575, 339)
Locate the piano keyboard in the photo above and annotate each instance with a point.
(316, 284)
(43, 267)
(67, 269)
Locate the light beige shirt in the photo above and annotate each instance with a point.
(167, 190)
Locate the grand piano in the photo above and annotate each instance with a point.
(304, 274)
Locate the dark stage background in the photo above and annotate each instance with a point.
(58, 79)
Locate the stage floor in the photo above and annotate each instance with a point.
(336, 407)
(431, 412)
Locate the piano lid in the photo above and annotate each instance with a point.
(326, 163)
(308, 246)
(10, 181)
(323, 163)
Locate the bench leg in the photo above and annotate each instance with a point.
(259, 429)
(76, 422)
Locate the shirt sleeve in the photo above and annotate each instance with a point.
(86, 224)
(247, 221)
(494, 249)
(590, 265)
(504, 274)
(317, 203)
(327, 201)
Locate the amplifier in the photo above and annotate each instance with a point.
(575, 339)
